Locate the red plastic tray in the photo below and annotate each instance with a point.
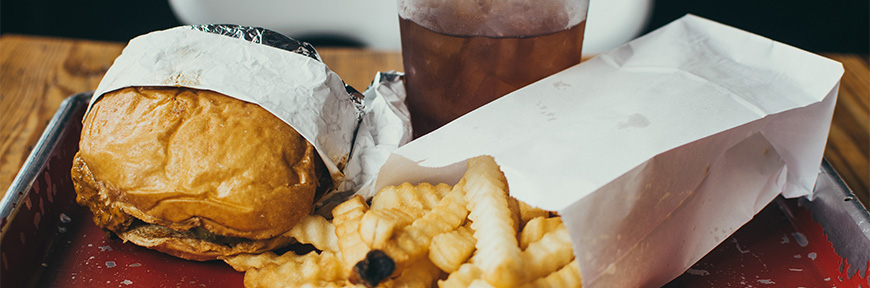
(50, 241)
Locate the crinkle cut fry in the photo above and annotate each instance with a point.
(450, 249)
(423, 196)
(291, 270)
(462, 277)
(500, 255)
(476, 222)
(536, 228)
(421, 273)
(335, 284)
(317, 231)
(529, 212)
(514, 208)
(480, 283)
(566, 277)
(245, 262)
(346, 217)
(547, 254)
(378, 225)
(413, 241)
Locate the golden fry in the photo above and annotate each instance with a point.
(548, 254)
(535, 229)
(377, 226)
(422, 273)
(245, 262)
(500, 259)
(479, 283)
(317, 231)
(472, 234)
(291, 270)
(330, 284)
(463, 277)
(529, 212)
(450, 249)
(568, 276)
(413, 241)
(346, 217)
(423, 196)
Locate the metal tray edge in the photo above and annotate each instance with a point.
(20, 186)
(832, 209)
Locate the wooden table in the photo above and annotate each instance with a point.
(37, 73)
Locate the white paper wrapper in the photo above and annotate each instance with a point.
(297, 87)
(653, 153)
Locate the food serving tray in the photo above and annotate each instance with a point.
(50, 241)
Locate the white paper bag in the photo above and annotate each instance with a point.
(653, 153)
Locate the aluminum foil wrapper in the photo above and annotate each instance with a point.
(261, 36)
(283, 75)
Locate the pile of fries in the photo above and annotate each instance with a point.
(472, 234)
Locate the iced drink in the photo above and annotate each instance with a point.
(457, 60)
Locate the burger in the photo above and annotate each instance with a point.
(194, 173)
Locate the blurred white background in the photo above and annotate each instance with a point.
(374, 23)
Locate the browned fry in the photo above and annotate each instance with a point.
(514, 207)
(375, 270)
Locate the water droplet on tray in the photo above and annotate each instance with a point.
(64, 218)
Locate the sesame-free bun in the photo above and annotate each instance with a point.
(188, 159)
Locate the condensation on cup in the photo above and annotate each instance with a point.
(459, 54)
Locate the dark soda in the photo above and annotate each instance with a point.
(448, 76)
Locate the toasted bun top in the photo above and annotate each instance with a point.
(184, 158)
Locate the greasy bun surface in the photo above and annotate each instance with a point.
(185, 158)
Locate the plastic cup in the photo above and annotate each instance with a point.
(460, 55)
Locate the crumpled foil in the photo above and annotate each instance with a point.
(260, 36)
(385, 126)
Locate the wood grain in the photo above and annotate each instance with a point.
(848, 147)
(37, 73)
(358, 67)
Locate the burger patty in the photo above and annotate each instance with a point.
(198, 233)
